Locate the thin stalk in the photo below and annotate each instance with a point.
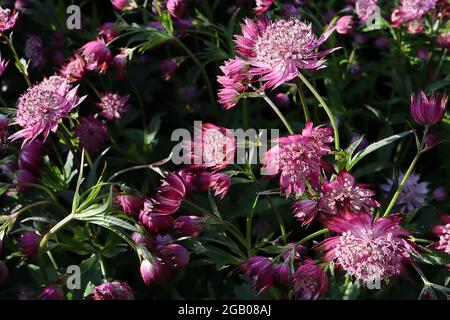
(102, 267)
(275, 108)
(303, 101)
(313, 235)
(24, 72)
(325, 106)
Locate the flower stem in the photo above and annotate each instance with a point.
(18, 64)
(303, 101)
(327, 109)
(275, 108)
(313, 235)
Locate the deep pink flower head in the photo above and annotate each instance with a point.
(174, 255)
(340, 196)
(31, 156)
(154, 272)
(260, 271)
(113, 105)
(3, 273)
(29, 243)
(24, 176)
(52, 292)
(263, 5)
(443, 232)
(74, 69)
(213, 147)
(3, 64)
(120, 63)
(443, 40)
(220, 183)
(8, 19)
(108, 30)
(97, 55)
(34, 51)
(176, 8)
(277, 50)
(142, 238)
(123, 4)
(297, 158)
(195, 179)
(130, 204)
(367, 249)
(234, 81)
(344, 24)
(168, 197)
(310, 282)
(114, 290)
(41, 107)
(188, 226)
(155, 222)
(416, 9)
(364, 9)
(91, 132)
(426, 111)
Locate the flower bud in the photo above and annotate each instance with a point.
(175, 255)
(154, 272)
(114, 290)
(52, 292)
(31, 156)
(188, 226)
(29, 243)
(426, 111)
(344, 24)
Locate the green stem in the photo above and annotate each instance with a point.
(23, 71)
(325, 106)
(275, 108)
(202, 69)
(303, 101)
(313, 235)
(102, 267)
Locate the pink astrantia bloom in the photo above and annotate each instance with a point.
(113, 105)
(367, 249)
(220, 183)
(344, 24)
(3, 64)
(109, 31)
(188, 226)
(263, 5)
(260, 271)
(97, 55)
(297, 158)
(235, 81)
(443, 40)
(123, 4)
(41, 107)
(91, 132)
(34, 51)
(443, 232)
(74, 69)
(154, 271)
(412, 12)
(213, 147)
(340, 196)
(426, 111)
(310, 282)
(176, 8)
(129, 204)
(120, 63)
(31, 156)
(277, 50)
(52, 292)
(195, 179)
(114, 290)
(8, 19)
(364, 9)
(154, 221)
(29, 243)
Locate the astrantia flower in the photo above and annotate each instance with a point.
(344, 24)
(8, 19)
(97, 55)
(443, 40)
(340, 196)
(282, 100)
(52, 292)
(91, 132)
(123, 4)
(113, 105)
(364, 9)
(41, 107)
(114, 290)
(154, 272)
(129, 204)
(428, 111)
(34, 51)
(155, 222)
(31, 156)
(277, 50)
(413, 194)
(120, 63)
(235, 81)
(263, 5)
(309, 281)
(176, 8)
(220, 183)
(213, 147)
(195, 179)
(22, 178)
(3, 64)
(188, 226)
(74, 69)
(411, 12)
(260, 271)
(297, 158)
(174, 255)
(108, 30)
(366, 249)
(443, 232)
(29, 243)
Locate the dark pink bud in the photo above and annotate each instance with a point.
(29, 243)
(176, 8)
(283, 101)
(260, 271)
(144, 239)
(282, 273)
(310, 281)
(3, 273)
(52, 292)
(440, 194)
(75, 69)
(31, 156)
(169, 196)
(114, 290)
(24, 177)
(97, 55)
(123, 4)
(344, 25)
(188, 226)
(220, 183)
(154, 272)
(443, 40)
(120, 63)
(426, 111)
(174, 255)
(130, 204)
(157, 223)
(108, 30)
(195, 179)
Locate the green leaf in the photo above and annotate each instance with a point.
(375, 146)
(213, 205)
(76, 197)
(433, 257)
